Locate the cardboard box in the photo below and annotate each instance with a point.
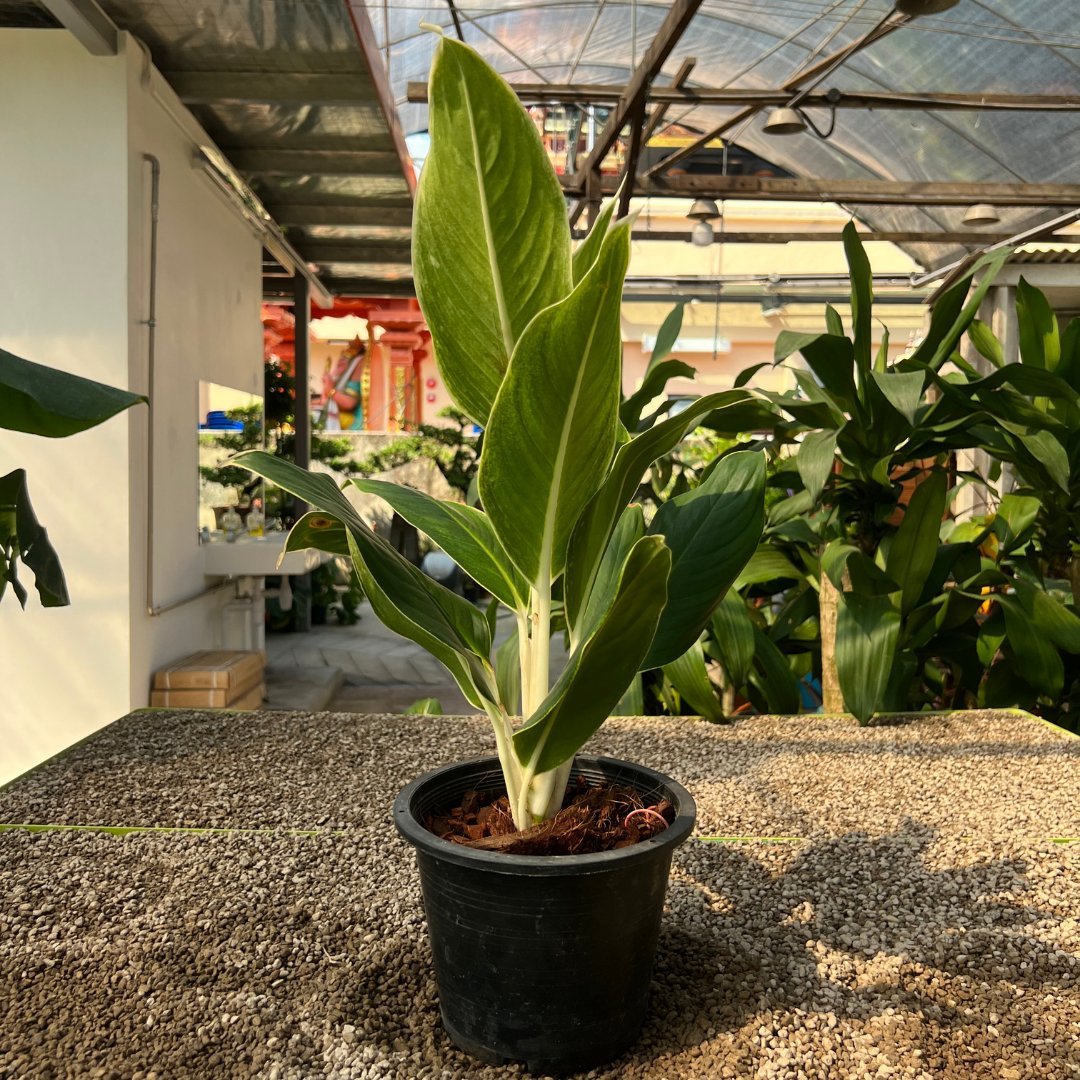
(206, 697)
(251, 700)
(231, 671)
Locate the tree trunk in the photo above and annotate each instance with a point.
(832, 700)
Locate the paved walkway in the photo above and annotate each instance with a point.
(381, 671)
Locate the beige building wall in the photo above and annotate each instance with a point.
(734, 332)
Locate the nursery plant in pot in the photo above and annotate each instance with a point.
(544, 958)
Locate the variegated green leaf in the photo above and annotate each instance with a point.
(551, 435)
(463, 532)
(602, 667)
(491, 240)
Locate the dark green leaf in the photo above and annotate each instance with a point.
(767, 564)
(913, 550)
(656, 378)
(1040, 346)
(951, 316)
(747, 374)
(629, 530)
(815, 459)
(733, 631)
(23, 537)
(1038, 660)
(903, 390)
(43, 401)
(712, 531)
(867, 631)
(590, 538)
(666, 337)
(632, 703)
(777, 682)
(1015, 518)
(689, 676)
(847, 567)
(862, 294)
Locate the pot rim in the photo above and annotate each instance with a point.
(413, 831)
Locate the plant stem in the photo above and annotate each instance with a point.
(540, 794)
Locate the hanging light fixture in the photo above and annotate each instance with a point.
(981, 214)
(785, 121)
(701, 235)
(701, 214)
(704, 210)
(915, 8)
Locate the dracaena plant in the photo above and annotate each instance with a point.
(865, 424)
(527, 338)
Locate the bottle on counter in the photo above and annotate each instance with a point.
(231, 524)
(256, 522)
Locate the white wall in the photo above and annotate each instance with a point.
(209, 293)
(63, 302)
(74, 222)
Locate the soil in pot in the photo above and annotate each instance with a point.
(594, 817)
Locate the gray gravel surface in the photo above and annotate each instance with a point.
(923, 926)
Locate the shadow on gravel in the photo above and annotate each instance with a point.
(856, 928)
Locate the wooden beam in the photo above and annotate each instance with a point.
(272, 161)
(658, 114)
(676, 94)
(370, 287)
(887, 192)
(330, 214)
(667, 37)
(360, 251)
(633, 152)
(270, 88)
(811, 237)
(380, 80)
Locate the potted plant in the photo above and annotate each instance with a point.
(538, 957)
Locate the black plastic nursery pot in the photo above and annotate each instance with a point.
(544, 959)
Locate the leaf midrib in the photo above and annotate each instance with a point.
(548, 541)
(489, 236)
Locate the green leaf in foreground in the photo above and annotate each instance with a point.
(594, 527)
(22, 537)
(402, 596)
(41, 400)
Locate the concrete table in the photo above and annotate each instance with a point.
(252, 559)
(215, 894)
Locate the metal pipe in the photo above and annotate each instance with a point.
(150, 322)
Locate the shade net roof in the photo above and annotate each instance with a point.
(978, 47)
